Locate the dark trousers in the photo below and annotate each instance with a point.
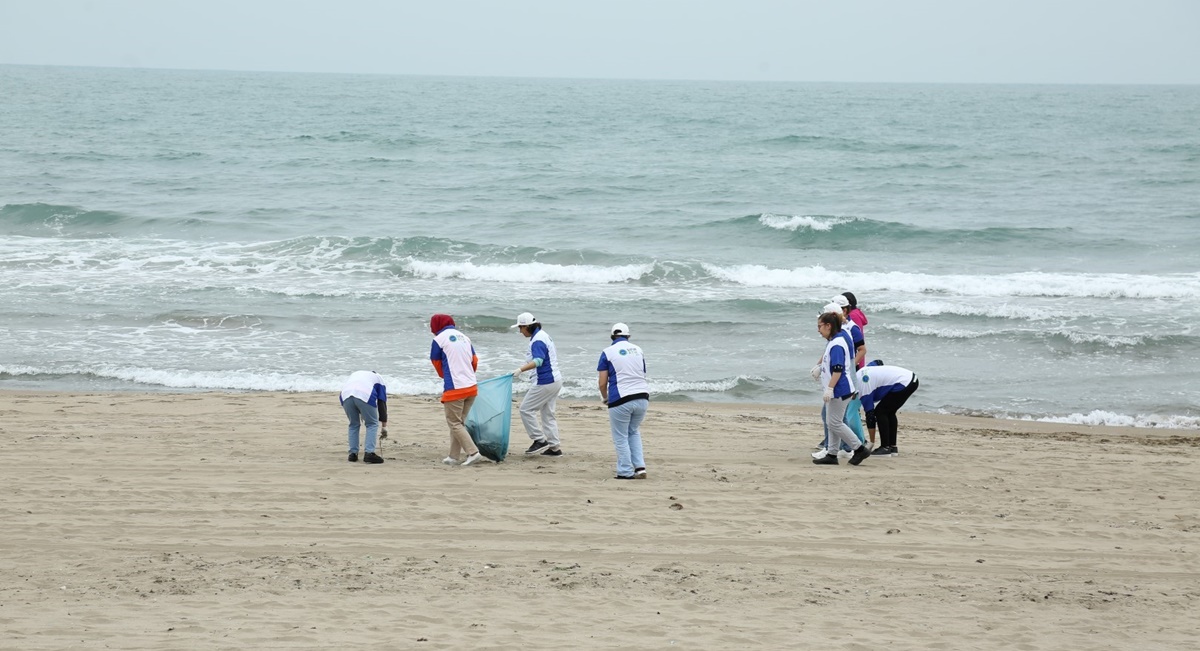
(885, 413)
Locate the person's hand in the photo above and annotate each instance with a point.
(517, 372)
(828, 394)
(816, 373)
(383, 432)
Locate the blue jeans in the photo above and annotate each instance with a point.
(356, 408)
(625, 421)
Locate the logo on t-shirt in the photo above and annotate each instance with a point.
(453, 338)
(624, 352)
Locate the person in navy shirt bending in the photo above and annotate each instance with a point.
(885, 389)
(364, 399)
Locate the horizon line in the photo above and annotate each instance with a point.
(585, 78)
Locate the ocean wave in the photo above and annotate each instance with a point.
(43, 220)
(1000, 311)
(529, 272)
(832, 231)
(334, 260)
(1108, 418)
(174, 155)
(734, 384)
(856, 145)
(198, 321)
(485, 323)
(941, 333)
(1028, 284)
(1111, 340)
(213, 380)
(249, 380)
(802, 222)
(1076, 337)
(397, 142)
(33, 219)
(1096, 417)
(660, 387)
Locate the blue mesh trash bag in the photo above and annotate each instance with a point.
(491, 417)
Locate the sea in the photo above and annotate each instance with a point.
(1030, 251)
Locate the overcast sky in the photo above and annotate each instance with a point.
(976, 41)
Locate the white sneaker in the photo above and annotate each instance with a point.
(450, 461)
(472, 459)
(820, 453)
(842, 454)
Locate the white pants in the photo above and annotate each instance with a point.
(839, 431)
(540, 401)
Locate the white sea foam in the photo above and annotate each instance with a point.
(529, 272)
(753, 275)
(318, 266)
(1074, 336)
(801, 222)
(1100, 417)
(661, 387)
(945, 333)
(1168, 286)
(715, 386)
(221, 380)
(999, 311)
(1112, 341)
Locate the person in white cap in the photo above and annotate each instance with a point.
(623, 387)
(851, 327)
(853, 418)
(839, 390)
(541, 398)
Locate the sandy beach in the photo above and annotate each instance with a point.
(233, 521)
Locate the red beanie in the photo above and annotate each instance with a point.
(439, 321)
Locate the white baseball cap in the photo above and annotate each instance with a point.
(841, 301)
(620, 330)
(831, 307)
(524, 319)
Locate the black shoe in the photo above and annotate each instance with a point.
(883, 451)
(859, 454)
(624, 477)
(538, 447)
(552, 452)
(371, 457)
(827, 460)
(353, 458)
(639, 473)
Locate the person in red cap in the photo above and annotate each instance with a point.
(455, 361)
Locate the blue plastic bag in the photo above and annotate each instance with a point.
(490, 418)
